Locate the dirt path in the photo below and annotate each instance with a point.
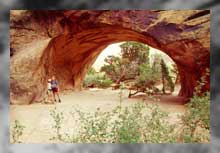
(38, 122)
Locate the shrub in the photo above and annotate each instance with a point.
(196, 120)
(17, 132)
(91, 71)
(121, 125)
(97, 80)
(91, 79)
(58, 120)
(146, 77)
(166, 77)
(139, 123)
(105, 82)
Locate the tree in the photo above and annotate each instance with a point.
(176, 73)
(156, 66)
(91, 71)
(126, 67)
(135, 51)
(114, 68)
(166, 78)
(96, 79)
(147, 77)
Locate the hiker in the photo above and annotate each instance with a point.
(49, 91)
(55, 88)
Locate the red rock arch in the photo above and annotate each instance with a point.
(71, 40)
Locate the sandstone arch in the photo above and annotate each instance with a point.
(66, 43)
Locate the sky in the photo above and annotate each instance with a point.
(114, 49)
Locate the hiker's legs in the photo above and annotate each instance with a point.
(50, 97)
(47, 97)
(58, 96)
(54, 97)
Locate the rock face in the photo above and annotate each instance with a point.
(66, 44)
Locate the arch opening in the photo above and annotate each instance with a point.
(106, 72)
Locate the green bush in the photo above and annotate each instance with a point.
(132, 124)
(91, 71)
(105, 82)
(142, 123)
(146, 77)
(58, 121)
(17, 132)
(166, 78)
(196, 120)
(97, 80)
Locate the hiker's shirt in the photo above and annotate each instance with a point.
(49, 86)
(54, 84)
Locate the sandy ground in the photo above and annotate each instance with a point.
(38, 122)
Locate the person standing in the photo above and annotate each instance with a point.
(49, 91)
(55, 88)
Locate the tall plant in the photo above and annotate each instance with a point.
(166, 78)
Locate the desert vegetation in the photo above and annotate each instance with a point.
(96, 79)
(17, 132)
(133, 68)
(140, 123)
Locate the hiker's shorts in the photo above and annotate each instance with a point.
(55, 90)
(49, 91)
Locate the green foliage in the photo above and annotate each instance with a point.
(196, 120)
(149, 75)
(158, 129)
(113, 69)
(126, 67)
(146, 77)
(91, 71)
(93, 127)
(166, 78)
(175, 73)
(97, 79)
(134, 65)
(139, 123)
(135, 51)
(156, 66)
(58, 120)
(201, 83)
(105, 82)
(122, 87)
(17, 132)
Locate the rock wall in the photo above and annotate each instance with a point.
(66, 43)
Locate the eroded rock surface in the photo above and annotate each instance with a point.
(66, 43)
